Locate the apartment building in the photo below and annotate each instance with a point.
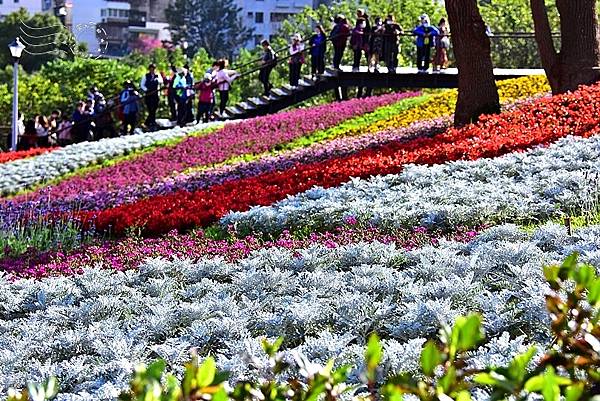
(266, 16)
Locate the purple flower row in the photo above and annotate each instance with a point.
(130, 252)
(256, 135)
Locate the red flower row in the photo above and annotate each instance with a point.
(23, 154)
(541, 122)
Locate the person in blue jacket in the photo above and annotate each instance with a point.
(425, 34)
(318, 47)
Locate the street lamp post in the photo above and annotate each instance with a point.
(16, 49)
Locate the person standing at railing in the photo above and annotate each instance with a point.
(129, 102)
(190, 95)
(171, 97)
(42, 129)
(391, 43)
(179, 86)
(339, 38)
(296, 59)
(358, 42)
(361, 14)
(267, 63)
(224, 78)
(150, 85)
(425, 37)
(318, 47)
(376, 44)
(442, 44)
(205, 98)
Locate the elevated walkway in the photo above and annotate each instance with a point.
(403, 78)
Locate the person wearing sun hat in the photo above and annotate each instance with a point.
(296, 59)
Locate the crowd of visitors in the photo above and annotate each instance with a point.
(376, 40)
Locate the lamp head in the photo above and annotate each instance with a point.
(16, 48)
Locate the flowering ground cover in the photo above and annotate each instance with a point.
(540, 122)
(388, 251)
(23, 154)
(132, 252)
(250, 136)
(404, 114)
(21, 174)
(90, 330)
(192, 181)
(541, 184)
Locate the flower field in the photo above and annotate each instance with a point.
(321, 225)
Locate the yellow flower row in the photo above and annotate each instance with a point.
(443, 104)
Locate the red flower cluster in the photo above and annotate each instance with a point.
(23, 154)
(541, 122)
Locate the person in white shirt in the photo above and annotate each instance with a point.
(224, 78)
(296, 59)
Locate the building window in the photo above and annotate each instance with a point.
(259, 17)
(250, 14)
(279, 17)
(257, 39)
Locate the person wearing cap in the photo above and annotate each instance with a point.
(179, 87)
(205, 98)
(267, 63)
(129, 103)
(296, 59)
(425, 34)
(150, 85)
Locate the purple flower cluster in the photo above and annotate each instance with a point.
(130, 252)
(256, 135)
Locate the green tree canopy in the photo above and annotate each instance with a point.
(214, 25)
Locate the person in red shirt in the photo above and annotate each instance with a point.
(205, 98)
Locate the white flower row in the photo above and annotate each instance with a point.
(91, 330)
(516, 187)
(24, 173)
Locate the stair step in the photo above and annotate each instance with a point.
(246, 106)
(234, 110)
(268, 99)
(306, 82)
(331, 72)
(257, 101)
(279, 92)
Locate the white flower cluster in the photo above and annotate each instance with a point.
(516, 187)
(24, 173)
(91, 330)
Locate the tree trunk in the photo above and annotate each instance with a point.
(477, 90)
(578, 61)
